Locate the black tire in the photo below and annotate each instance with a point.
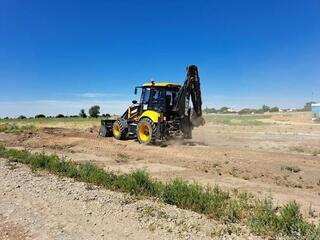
(119, 130)
(146, 131)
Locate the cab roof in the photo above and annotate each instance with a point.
(160, 84)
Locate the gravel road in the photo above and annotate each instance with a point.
(37, 205)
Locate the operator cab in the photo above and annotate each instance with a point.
(159, 97)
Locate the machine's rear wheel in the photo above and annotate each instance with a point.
(119, 131)
(146, 131)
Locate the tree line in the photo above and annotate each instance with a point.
(224, 110)
(93, 112)
(263, 109)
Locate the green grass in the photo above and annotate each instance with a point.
(70, 122)
(233, 119)
(288, 221)
(14, 128)
(236, 207)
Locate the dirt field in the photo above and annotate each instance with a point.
(268, 155)
(42, 206)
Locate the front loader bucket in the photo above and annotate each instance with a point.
(106, 127)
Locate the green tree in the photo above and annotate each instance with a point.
(82, 113)
(94, 111)
(40, 116)
(210, 110)
(223, 110)
(246, 111)
(274, 109)
(22, 117)
(265, 108)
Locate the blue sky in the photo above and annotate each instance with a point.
(59, 56)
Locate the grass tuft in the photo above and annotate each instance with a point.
(264, 219)
(290, 221)
(238, 207)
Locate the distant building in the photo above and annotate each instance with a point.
(315, 109)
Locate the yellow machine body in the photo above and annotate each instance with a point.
(153, 115)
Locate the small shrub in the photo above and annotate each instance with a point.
(60, 116)
(40, 116)
(293, 169)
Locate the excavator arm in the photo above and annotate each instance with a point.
(190, 88)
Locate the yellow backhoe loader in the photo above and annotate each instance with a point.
(163, 112)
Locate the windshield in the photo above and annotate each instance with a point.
(153, 98)
(145, 95)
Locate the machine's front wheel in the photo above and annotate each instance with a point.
(119, 131)
(146, 131)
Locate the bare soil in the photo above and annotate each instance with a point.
(279, 158)
(36, 205)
